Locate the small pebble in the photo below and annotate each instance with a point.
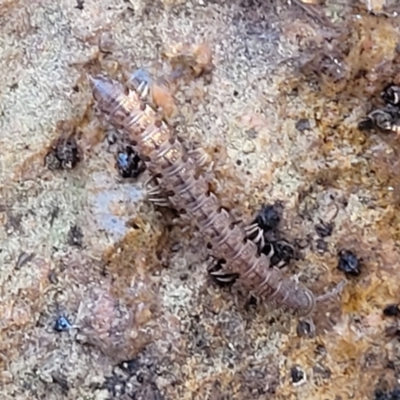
(248, 147)
(303, 125)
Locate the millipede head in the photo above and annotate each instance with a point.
(106, 93)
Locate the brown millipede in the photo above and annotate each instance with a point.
(176, 173)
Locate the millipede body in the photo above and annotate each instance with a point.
(177, 174)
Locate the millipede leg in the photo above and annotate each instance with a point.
(216, 271)
(257, 232)
(201, 157)
(332, 293)
(311, 326)
(143, 90)
(155, 195)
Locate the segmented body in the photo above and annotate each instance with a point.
(177, 174)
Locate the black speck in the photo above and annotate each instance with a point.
(392, 331)
(65, 154)
(24, 258)
(79, 4)
(283, 252)
(324, 230)
(381, 395)
(62, 324)
(75, 236)
(129, 164)
(251, 303)
(14, 86)
(268, 218)
(54, 213)
(130, 366)
(62, 382)
(75, 88)
(52, 277)
(184, 276)
(367, 124)
(112, 138)
(303, 125)
(235, 93)
(349, 263)
(13, 222)
(320, 350)
(304, 329)
(391, 95)
(391, 310)
(297, 374)
(322, 246)
(200, 343)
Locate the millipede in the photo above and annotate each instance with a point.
(180, 182)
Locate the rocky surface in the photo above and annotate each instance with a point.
(104, 296)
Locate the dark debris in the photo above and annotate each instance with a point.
(75, 236)
(79, 4)
(322, 246)
(393, 331)
(303, 125)
(61, 381)
(129, 164)
(296, 374)
(24, 258)
(386, 118)
(283, 253)
(269, 217)
(324, 229)
(391, 310)
(349, 263)
(133, 379)
(303, 329)
(386, 395)
(62, 324)
(391, 95)
(64, 154)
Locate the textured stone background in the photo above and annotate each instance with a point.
(147, 321)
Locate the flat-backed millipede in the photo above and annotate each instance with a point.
(177, 174)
